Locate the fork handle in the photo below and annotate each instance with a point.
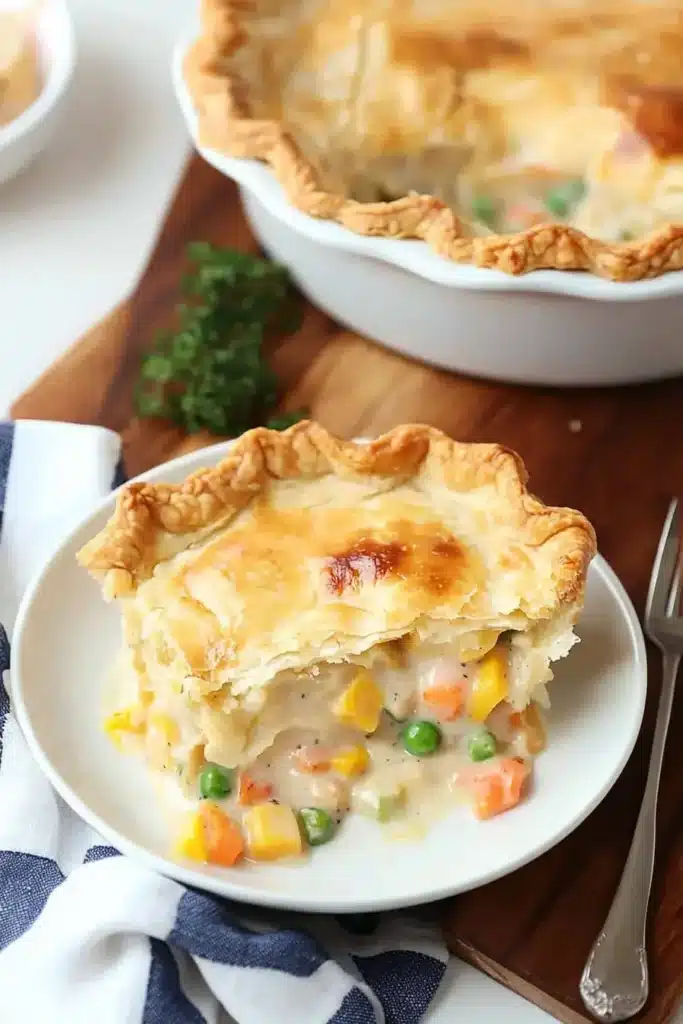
(614, 985)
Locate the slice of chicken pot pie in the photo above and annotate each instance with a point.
(315, 626)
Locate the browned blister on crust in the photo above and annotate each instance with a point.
(639, 80)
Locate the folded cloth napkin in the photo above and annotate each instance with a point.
(87, 935)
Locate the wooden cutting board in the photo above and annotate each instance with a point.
(616, 454)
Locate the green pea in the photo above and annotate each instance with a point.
(576, 189)
(421, 738)
(626, 236)
(561, 199)
(481, 745)
(215, 782)
(485, 210)
(317, 825)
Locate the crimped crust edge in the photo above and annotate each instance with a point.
(225, 126)
(151, 522)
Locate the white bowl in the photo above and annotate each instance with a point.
(548, 327)
(27, 135)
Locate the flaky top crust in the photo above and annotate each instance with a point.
(228, 124)
(153, 522)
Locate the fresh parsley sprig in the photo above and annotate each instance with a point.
(210, 373)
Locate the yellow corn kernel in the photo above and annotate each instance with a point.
(354, 761)
(191, 842)
(128, 720)
(272, 831)
(490, 684)
(476, 645)
(360, 704)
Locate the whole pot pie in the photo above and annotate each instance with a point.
(316, 627)
(516, 137)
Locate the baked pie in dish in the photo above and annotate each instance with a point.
(539, 136)
(316, 626)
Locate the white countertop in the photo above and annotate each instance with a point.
(75, 230)
(76, 226)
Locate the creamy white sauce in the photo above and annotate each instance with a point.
(296, 720)
(429, 785)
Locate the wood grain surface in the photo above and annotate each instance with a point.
(616, 454)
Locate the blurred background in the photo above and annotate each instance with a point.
(77, 225)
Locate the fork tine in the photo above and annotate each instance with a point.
(664, 566)
(674, 592)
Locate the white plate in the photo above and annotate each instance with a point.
(65, 641)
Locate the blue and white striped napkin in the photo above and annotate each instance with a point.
(87, 936)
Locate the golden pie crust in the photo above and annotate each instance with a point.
(299, 548)
(249, 64)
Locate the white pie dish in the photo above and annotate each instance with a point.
(548, 327)
(24, 138)
(58, 677)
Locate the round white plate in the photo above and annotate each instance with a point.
(65, 641)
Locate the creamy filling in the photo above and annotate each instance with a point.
(517, 152)
(399, 738)
(621, 195)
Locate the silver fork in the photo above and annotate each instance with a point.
(614, 984)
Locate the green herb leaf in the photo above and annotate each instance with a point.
(284, 420)
(210, 373)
